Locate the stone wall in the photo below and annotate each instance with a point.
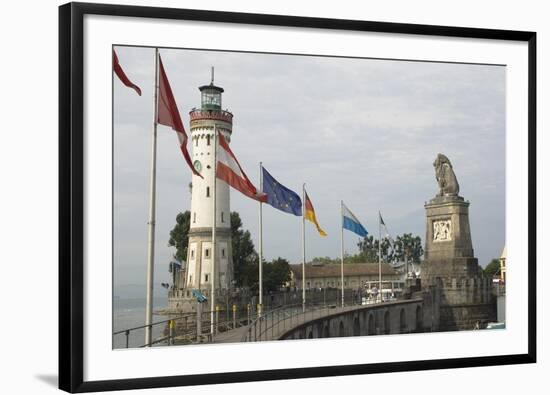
(406, 316)
(450, 270)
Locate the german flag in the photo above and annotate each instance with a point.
(310, 215)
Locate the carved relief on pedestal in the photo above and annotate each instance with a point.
(442, 230)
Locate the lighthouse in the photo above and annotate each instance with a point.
(201, 268)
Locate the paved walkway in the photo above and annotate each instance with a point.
(276, 323)
(232, 336)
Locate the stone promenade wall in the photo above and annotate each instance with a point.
(406, 316)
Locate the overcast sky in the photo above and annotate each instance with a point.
(360, 130)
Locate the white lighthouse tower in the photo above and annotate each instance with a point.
(203, 124)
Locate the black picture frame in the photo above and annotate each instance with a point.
(71, 195)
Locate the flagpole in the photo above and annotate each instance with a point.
(380, 255)
(342, 251)
(152, 215)
(304, 247)
(214, 220)
(260, 258)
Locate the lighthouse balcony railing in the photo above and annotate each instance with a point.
(221, 115)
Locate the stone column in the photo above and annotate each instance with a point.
(448, 254)
(450, 262)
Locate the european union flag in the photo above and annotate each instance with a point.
(280, 196)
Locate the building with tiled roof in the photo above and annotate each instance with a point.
(356, 275)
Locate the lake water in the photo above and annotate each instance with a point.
(130, 313)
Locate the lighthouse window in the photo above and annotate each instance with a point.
(206, 278)
(211, 98)
(196, 142)
(192, 253)
(223, 252)
(208, 192)
(194, 217)
(207, 253)
(222, 217)
(208, 139)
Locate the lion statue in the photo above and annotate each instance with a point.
(445, 176)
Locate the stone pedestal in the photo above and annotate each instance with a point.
(448, 228)
(451, 267)
(448, 252)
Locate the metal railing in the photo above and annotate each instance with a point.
(275, 318)
(189, 333)
(278, 320)
(274, 323)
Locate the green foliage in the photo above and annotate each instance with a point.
(323, 260)
(368, 250)
(245, 258)
(492, 268)
(275, 274)
(245, 262)
(178, 235)
(408, 247)
(404, 246)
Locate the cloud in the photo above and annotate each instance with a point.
(359, 130)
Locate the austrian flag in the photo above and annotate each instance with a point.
(168, 114)
(230, 171)
(122, 75)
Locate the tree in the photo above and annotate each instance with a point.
(275, 274)
(243, 253)
(405, 246)
(179, 235)
(492, 268)
(245, 258)
(408, 247)
(368, 249)
(323, 260)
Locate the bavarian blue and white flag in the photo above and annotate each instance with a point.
(350, 222)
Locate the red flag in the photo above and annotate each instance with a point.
(122, 75)
(230, 171)
(168, 114)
